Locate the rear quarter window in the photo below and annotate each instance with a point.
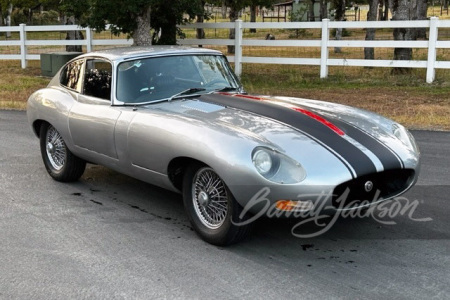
(71, 75)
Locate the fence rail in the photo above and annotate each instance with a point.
(89, 42)
(324, 43)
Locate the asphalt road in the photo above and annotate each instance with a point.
(109, 236)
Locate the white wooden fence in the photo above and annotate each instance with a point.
(324, 43)
(89, 42)
(431, 64)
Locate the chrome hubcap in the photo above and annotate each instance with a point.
(55, 149)
(50, 148)
(210, 198)
(203, 198)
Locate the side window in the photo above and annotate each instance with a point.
(70, 75)
(97, 79)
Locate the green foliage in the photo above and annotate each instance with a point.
(263, 3)
(299, 14)
(97, 13)
(345, 32)
(19, 16)
(46, 18)
(165, 15)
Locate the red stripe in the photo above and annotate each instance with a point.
(301, 110)
(241, 96)
(249, 97)
(320, 119)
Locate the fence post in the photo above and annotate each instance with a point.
(23, 47)
(88, 39)
(324, 49)
(432, 39)
(238, 47)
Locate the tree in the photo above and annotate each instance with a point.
(407, 10)
(254, 4)
(369, 53)
(130, 17)
(311, 16)
(339, 6)
(235, 6)
(200, 34)
(323, 9)
(166, 15)
(27, 6)
(383, 10)
(136, 17)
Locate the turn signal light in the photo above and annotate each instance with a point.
(291, 205)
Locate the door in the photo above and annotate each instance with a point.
(92, 119)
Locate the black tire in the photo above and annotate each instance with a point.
(60, 163)
(215, 227)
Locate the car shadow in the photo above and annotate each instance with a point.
(299, 234)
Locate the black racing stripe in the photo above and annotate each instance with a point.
(389, 160)
(360, 162)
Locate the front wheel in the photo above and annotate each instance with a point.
(211, 207)
(60, 163)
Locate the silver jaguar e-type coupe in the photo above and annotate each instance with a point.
(178, 118)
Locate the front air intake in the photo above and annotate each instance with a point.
(382, 185)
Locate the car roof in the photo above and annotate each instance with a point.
(125, 53)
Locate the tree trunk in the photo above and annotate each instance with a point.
(8, 19)
(253, 17)
(30, 17)
(420, 13)
(311, 15)
(380, 10)
(200, 32)
(233, 18)
(340, 16)
(369, 53)
(340, 9)
(1, 19)
(141, 36)
(323, 9)
(73, 35)
(386, 10)
(224, 9)
(400, 12)
(338, 37)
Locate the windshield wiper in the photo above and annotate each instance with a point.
(227, 89)
(186, 92)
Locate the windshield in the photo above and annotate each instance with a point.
(165, 78)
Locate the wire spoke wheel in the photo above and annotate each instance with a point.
(55, 149)
(212, 208)
(210, 198)
(61, 164)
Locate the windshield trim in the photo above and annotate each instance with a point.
(233, 79)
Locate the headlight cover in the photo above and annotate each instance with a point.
(277, 167)
(262, 161)
(405, 137)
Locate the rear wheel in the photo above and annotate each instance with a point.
(60, 163)
(212, 208)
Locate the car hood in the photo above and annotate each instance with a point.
(359, 138)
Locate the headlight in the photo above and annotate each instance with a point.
(277, 167)
(405, 137)
(262, 161)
